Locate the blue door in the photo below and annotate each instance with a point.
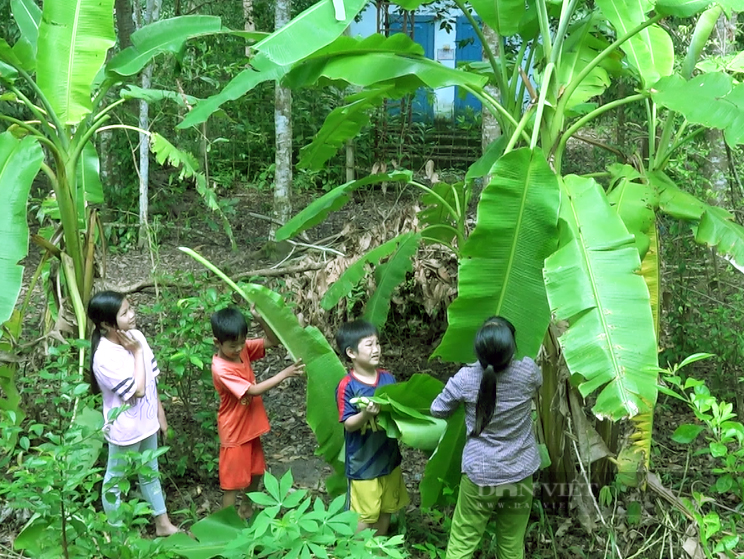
(423, 34)
(469, 49)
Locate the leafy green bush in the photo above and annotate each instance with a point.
(183, 343)
(725, 444)
(291, 525)
(52, 477)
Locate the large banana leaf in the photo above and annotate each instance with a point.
(651, 51)
(485, 162)
(579, 50)
(208, 537)
(323, 368)
(90, 189)
(20, 161)
(167, 35)
(718, 229)
(354, 273)
(310, 31)
(503, 16)
(333, 200)
(681, 8)
(500, 271)
(673, 201)
(74, 37)
(28, 17)
(260, 70)
(592, 282)
(411, 427)
(389, 276)
(342, 124)
(365, 69)
(157, 95)
(443, 470)
(635, 203)
(710, 99)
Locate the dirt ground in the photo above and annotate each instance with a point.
(291, 444)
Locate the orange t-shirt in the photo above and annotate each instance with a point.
(239, 423)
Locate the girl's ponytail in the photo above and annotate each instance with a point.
(95, 339)
(102, 309)
(494, 347)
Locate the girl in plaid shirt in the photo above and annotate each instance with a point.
(501, 453)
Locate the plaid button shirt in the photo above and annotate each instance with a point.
(506, 451)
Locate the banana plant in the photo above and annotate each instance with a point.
(57, 77)
(547, 246)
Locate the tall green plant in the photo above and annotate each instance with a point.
(60, 59)
(573, 49)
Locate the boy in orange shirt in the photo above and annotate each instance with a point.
(241, 418)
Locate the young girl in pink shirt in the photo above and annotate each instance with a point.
(123, 371)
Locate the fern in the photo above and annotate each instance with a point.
(165, 152)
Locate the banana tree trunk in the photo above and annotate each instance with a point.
(491, 129)
(553, 411)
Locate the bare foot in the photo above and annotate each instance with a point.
(164, 527)
(245, 511)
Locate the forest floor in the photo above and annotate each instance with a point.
(369, 218)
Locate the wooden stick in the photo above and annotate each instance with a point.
(266, 272)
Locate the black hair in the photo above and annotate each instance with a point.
(102, 308)
(229, 324)
(494, 346)
(351, 333)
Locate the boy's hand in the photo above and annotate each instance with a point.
(246, 400)
(296, 369)
(372, 409)
(254, 312)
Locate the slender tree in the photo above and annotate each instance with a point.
(283, 127)
(716, 167)
(152, 13)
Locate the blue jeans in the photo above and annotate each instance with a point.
(149, 484)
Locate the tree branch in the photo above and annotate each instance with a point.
(266, 272)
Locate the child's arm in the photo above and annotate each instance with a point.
(162, 421)
(296, 369)
(270, 339)
(356, 422)
(449, 400)
(133, 346)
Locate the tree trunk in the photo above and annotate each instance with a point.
(124, 29)
(716, 167)
(491, 129)
(283, 127)
(152, 12)
(350, 163)
(124, 22)
(250, 25)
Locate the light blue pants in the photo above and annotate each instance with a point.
(149, 484)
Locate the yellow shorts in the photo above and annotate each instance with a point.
(370, 497)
